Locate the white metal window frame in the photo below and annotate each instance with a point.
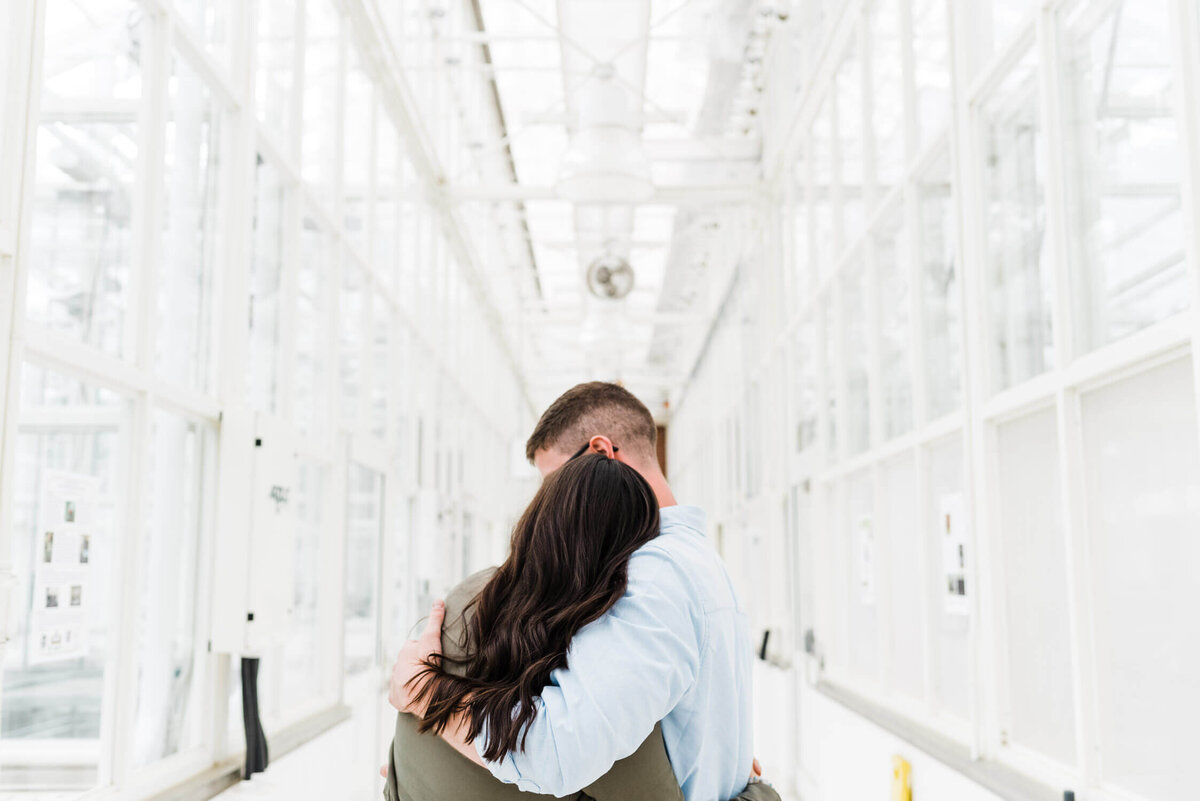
(975, 74)
(233, 89)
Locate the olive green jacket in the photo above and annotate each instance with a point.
(423, 767)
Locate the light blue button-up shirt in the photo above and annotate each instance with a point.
(676, 648)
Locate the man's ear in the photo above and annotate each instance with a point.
(602, 444)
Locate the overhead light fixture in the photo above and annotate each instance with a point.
(610, 277)
(605, 162)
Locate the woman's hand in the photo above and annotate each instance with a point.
(410, 661)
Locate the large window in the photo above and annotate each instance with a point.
(364, 527)
(221, 226)
(277, 55)
(941, 296)
(1141, 452)
(70, 481)
(306, 680)
(173, 670)
(271, 202)
(311, 377)
(81, 273)
(894, 292)
(187, 255)
(886, 97)
(1012, 144)
(993, 400)
(930, 46)
(854, 355)
(1040, 706)
(1127, 233)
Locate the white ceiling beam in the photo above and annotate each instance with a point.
(711, 148)
(562, 118)
(577, 320)
(638, 378)
(597, 241)
(663, 195)
(485, 37)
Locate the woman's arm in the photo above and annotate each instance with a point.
(628, 670)
(409, 663)
(455, 733)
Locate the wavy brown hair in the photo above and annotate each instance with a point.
(567, 566)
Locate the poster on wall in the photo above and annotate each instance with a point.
(864, 547)
(65, 537)
(953, 534)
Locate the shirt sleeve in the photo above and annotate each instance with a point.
(625, 672)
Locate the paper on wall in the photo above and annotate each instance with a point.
(65, 537)
(952, 531)
(864, 547)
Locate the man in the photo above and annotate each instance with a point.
(675, 648)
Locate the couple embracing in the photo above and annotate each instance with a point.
(608, 658)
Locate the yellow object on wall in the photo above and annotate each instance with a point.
(901, 779)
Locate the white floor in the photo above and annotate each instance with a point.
(320, 769)
(341, 764)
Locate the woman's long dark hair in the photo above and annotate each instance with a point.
(567, 566)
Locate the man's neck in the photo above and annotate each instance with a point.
(662, 490)
(652, 472)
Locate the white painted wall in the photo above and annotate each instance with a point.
(842, 756)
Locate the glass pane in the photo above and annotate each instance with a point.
(905, 656)
(861, 541)
(829, 366)
(171, 656)
(1142, 480)
(1041, 708)
(1008, 17)
(931, 68)
(806, 403)
(381, 366)
(364, 524)
(854, 356)
(1021, 291)
(7, 134)
(70, 468)
(93, 50)
(1126, 212)
(949, 619)
(848, 100)
(302, 676)
(212, 22)
(264, 281)
(409, 225)
(189, 243)
(801, 267)
(895, 337)
(353, 338)
(320, 159)
(887, 95)
(940, 297)
(356, 175)
(82, 236)
(275, 74)
(310, 379)
(385, 227)
(818, 194)
(82, 248)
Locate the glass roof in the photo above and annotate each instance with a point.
(515, 70)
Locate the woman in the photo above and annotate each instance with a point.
(507, 630)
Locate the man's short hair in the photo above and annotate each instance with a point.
(597, 407)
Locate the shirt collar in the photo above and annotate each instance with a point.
(690, 517)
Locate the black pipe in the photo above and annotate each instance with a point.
(256, 740)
